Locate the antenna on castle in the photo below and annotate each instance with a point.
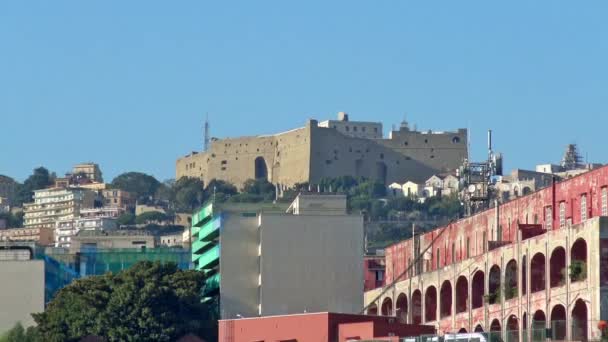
(206, 134)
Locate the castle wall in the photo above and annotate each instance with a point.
(334, 154)
(284, 155)
(311, 153)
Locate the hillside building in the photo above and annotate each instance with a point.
(55, 204)
(328, 149)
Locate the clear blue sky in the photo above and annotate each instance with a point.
(127, 83)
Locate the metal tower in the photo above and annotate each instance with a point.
(206, 134)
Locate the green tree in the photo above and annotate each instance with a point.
(39, 179)
(141, 185)
(19, 334)
(260, 187)
(220, 190)
(126, 219)
(13, 220)
(148, 302)
(151, 216)
(189, 193)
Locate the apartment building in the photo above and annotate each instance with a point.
(56, 204)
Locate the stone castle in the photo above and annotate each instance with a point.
(329, 148)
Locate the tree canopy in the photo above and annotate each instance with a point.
(148, 302)
(151, 216)
(39, 179)
(141, 185)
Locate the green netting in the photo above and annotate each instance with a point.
(62, 267)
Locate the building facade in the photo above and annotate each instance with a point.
(55, 204)
(313, 152)
(116, 198)
(258, 259)
(22, 285)
(42, 236)
(319, 327)
(90, 170)
(66, 230)
(534, 263)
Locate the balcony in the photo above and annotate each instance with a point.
(200, 217)
(211, 230)
(210, 258)
(200, 246)
(212, 285)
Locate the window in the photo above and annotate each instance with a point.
(379, 275)
(453, 252)
(548, 217)
(363, 128)
(438, 254)
(355, 128)
(604, 201)
(562, 214)
(468, 246)
(483, 247)
(583, 207)
(376, 129)
(347, 128)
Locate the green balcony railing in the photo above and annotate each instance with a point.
(210, 230)
(198, 246)
(210, 258)
(212, 285)
(201, 216)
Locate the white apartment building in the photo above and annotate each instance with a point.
(56, 204)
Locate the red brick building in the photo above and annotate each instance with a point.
(539, 261)
(317, 327)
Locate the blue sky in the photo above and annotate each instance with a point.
(127, 83)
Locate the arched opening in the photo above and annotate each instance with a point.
(446, 299)
(511, 280)
(477, 290)
(401, 310)
(261, 171)
(578, 261)
(462, 331)
(417, 307)
(558, 322)
(557, 264)
(478, 328)
(579, 321)
(495, 328)
(512, 332)
(381, 172)
(387, 307)
(537, 273)
(494, 285)
(462, 294)
(526, 191)
(524, 326)
(430, 304)
(372, 310)
(538, 326)
(524, 276)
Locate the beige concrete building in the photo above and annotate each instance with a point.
(90, 170)
(42, 236)
(310, 153)
(55, 204)
(111, 239)
(21, 288)
(118, 199)
(273, 262)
